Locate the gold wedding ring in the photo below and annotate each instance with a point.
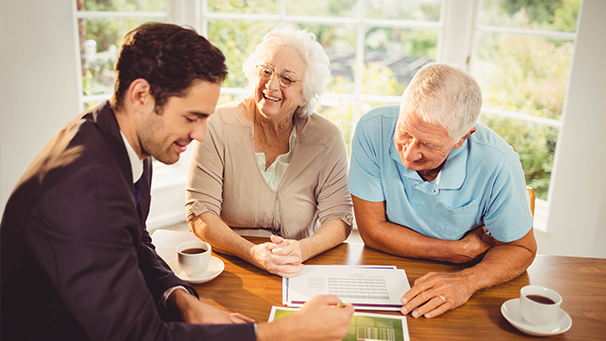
(442, 297)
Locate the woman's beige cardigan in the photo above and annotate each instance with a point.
(225, 179)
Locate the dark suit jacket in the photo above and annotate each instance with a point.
(77, 261)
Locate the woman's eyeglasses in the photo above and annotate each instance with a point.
(266, 71)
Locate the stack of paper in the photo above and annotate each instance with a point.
(365, 287)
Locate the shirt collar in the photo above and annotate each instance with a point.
(455, 168)
(136, 164)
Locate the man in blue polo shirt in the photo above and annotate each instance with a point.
(429, 182)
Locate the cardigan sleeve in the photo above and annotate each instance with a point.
(204, 189)
(334, 201)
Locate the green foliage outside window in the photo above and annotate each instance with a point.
(243, 6)
(101, 37)
(526, 74)
(237, 39)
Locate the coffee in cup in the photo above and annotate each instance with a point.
(539, 305)
(193, 257)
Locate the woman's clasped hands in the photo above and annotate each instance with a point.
(283, 257)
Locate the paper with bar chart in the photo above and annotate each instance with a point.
(366, 287)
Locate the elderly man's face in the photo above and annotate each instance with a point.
(422, 146)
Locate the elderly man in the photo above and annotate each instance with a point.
(429, 182)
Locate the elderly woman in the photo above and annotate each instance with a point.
(270, 166)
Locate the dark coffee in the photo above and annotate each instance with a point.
(540, 299)
(193, 250)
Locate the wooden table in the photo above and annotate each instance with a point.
(581, 282)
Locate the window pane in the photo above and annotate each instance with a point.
(551, 15)
(423, 10)
(226, 98)
(535, 143)
(340, 112)
(243, 6)
(237, 39)
(328, 8)
(523, 73)
(339, 43)
(123, 5)
(393, 56)
(99, 42)
(90, 105)
(526, 74)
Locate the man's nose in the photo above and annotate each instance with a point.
(411, 151)
(199, 131)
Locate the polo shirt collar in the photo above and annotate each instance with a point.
(452, 175)
(455, 168)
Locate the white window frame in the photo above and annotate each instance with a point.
(200, 22)
(541, 206)
(458, 31)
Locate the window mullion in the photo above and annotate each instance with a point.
(281, 12)
(359, 60)
(202, 16)
(455, 44)
(112, 15)
(527, 32)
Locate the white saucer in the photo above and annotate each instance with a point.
(511, 312)
(215, 268)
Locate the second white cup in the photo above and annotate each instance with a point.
(193, 257)
(539, 305)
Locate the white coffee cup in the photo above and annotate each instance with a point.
(193, 257)
(539, 305)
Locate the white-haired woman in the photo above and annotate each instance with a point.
(270, 166)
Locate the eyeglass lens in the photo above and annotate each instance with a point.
(265, 72)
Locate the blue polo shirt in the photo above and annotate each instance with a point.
(481, 183)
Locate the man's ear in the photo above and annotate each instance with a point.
(460, 143)
(139, 94)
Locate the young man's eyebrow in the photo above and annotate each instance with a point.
(197, 113)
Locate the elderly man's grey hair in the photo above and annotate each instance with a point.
(444, 95)
(317, 73)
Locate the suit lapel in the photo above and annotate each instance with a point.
(105, 118)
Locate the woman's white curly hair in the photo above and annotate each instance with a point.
(317, 73)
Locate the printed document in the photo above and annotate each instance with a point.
(365, 287)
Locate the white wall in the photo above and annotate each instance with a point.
(39, 93)
(577, 216)
(38, 83)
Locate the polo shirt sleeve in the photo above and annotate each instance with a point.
(365, 167)
(508, 217)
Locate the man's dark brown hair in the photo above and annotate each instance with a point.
(170, 58)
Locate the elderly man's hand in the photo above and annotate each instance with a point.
(436, 293)
(282, 257)
(475, 244)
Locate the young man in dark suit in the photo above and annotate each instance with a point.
(77, 260)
